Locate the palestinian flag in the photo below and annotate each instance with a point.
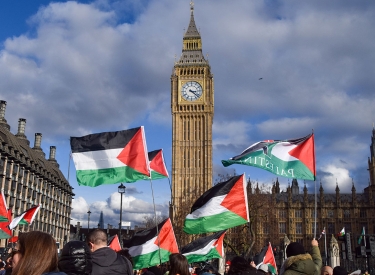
(114, 243)
(3, 209)
(110, 157)
(26, 217)
(157, 165)
(219, 208)
(267, 257)
(5, 232)
(205, 248)
(148, 248)
(294, 158)
(341, 233)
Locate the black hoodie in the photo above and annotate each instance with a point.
(105, 261)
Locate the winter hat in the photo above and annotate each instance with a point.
(339, 270)
(227, 263)
(294, 249)
(263, 267)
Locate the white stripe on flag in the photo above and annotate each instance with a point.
(204, 250)
(95, 160)
(145, 248)
(16, 221)
(212, 207)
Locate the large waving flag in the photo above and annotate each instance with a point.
(205, 248)
(148, 248)
(114, 243)
(294, 158)
(219, 208)
(157, 165)
(267, 257)
(110, 157)
(26, 217)
(3, 209)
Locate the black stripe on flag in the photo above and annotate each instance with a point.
(141, 237)
(153, 154)
(201, 242)
(102, 141)
(219, 189)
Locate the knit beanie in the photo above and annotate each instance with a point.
(294, 249)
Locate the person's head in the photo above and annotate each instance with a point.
(179, 264)
(37, 254)
(326, 270)
(294, 249)
(339, 270)
(75, 258)
(227, 265)
(238, 265)
(97, 239)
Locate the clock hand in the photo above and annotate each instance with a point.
(194, 92)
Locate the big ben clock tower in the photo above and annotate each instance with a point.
(192, 104)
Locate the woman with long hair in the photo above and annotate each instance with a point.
(37, 255)
(178, 264)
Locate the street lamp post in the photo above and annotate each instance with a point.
(121, 190)
(88, 221)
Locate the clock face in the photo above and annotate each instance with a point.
(191, 90)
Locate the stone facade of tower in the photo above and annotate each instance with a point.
(192, 106)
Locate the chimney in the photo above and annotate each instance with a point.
(21, 129)
(52, 155)
(3, 121)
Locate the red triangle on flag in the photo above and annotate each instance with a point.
(4, 225)
(3, 208)
(30, 214)
(305, 152)
(135, 152)
(166, 239)
(115, 243)
(157, 164)
(219, 244)
(235, 201)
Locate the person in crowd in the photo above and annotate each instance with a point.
(178, 264)
(36, 255)
(263, 268)
(75, 258)
(104, 259)
(339, 270)
(326, 270)
(227, 265)
(298, 261)
(125, 252)
(8, 264)
(240, 266)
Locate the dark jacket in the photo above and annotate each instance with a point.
(75, 258)
(55, 273)
(105, 261)
(304, 263)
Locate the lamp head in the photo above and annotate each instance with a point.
(121, 189)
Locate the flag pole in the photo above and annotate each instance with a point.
(156, 223)
(316, 207)
(325, 244)
(70, 156)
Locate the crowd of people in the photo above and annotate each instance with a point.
(35, 254)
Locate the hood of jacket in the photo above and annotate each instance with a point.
(302, 263)
(104, 256)
(75, 258)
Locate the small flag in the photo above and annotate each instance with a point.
(267, 257)
(26, 217)
(3, 209)
(114, 243)
(362, 235)
(342, 232)
(294, 158)
(323, 233)
(205, 248)
(110, 157)
(148, 248)
(157, 165)
(5, 232)
(221, 207)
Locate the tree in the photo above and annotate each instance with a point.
(149, 220)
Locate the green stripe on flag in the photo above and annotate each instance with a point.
(95, 178)
(193, 258)
(212, 223)
(150, 259)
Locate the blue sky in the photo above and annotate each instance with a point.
(73, 68)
